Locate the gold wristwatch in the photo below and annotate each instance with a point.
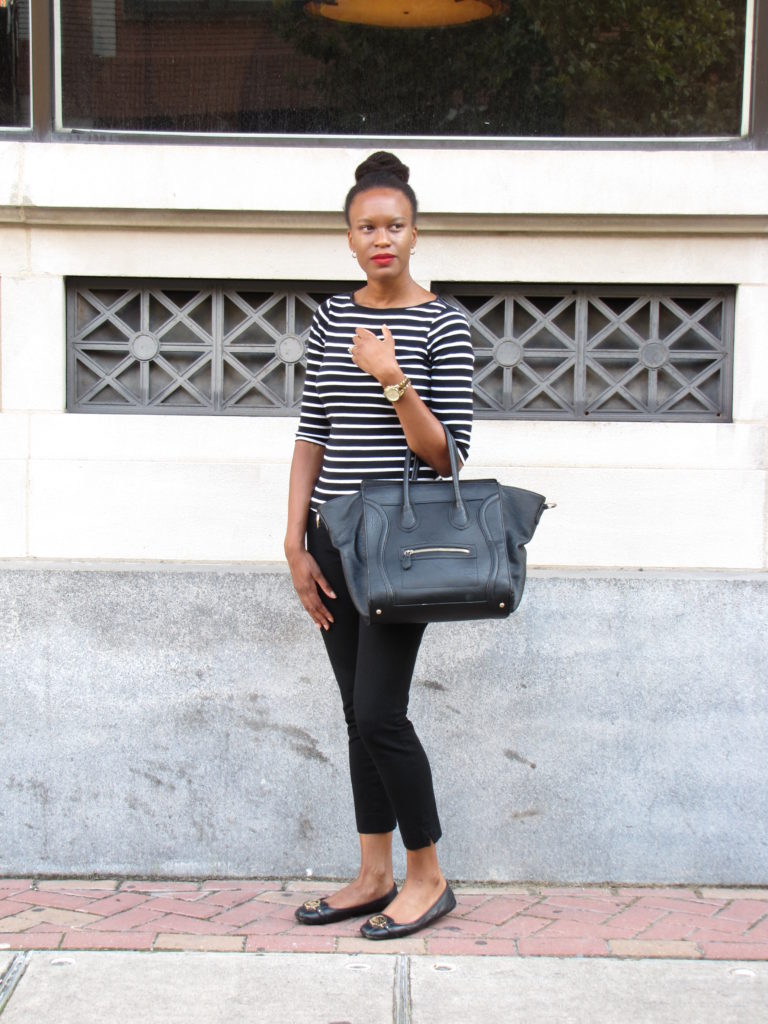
(394, 392)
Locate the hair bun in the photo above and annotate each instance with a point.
(383, 163)
(381, 170)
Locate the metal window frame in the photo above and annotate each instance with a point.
(759, 93)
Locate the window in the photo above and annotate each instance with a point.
(542, 352)
(14, 64)
(532, 68)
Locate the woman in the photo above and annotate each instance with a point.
(386, 367)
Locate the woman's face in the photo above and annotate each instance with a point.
(382, 232)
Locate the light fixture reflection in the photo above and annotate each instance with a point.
(406, 13)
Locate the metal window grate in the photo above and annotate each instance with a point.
(177, 347)
(542, 352)
(603, 352)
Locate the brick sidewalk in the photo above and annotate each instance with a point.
(257, 916)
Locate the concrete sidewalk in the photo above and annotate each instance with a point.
(312, 988)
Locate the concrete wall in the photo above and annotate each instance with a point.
(186, 723)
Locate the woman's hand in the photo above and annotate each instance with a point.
(423, 431)
(307, 577)
(376, 355)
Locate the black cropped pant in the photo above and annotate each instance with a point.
(373, 665)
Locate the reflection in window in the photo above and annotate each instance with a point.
(14, 64)
(535, 68)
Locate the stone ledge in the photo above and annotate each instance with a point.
(132, 219)
(281, 568)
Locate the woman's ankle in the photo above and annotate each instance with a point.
(430, 880)
(376, 878)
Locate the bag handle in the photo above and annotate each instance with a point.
(458, 514)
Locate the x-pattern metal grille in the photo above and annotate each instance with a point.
(542, 352)
(606, 352)
(177, 347)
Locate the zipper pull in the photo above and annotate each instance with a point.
(406, 558)
(317, 519)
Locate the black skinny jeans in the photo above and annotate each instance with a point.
(373, 665)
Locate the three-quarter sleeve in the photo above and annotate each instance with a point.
(452, 364)
(314, 425)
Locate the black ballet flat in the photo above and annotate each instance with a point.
(383, 927)
(318, 911)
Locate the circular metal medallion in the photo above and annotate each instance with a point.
(653, 355)
(143, 346)
(508, 352)
(290, 349)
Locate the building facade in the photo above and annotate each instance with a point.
(168, 706)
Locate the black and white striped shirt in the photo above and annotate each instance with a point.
(345, 410)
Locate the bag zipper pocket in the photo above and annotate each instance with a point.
(409, 554)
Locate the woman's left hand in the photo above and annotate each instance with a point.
(376, 355)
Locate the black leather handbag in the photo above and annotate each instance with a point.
(436, 550)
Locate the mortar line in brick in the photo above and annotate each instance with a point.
(540, 900)
(660, 921)
(639, 934)
(620, 910)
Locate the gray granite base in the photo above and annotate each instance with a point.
(181, 723)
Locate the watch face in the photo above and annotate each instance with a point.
(396, 391)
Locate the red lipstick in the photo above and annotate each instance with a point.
(384, 259)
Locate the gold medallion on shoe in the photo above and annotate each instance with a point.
(383, 927)
(318, 911)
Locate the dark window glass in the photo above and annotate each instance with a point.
(533, 68)
(14, 64)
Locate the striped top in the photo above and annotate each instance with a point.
(345, 409)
